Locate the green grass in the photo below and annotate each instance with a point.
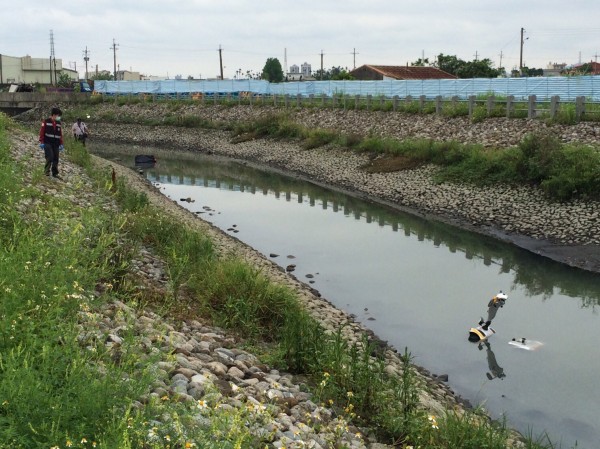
(50, 388)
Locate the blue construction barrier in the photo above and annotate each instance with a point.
(567, 88)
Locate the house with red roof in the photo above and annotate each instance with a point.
(399, 72)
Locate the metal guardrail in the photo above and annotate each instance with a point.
(473, 106)
(488, 106)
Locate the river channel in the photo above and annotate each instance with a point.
(419, 284)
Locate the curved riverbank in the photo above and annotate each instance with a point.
(196, 355)
(567, 232)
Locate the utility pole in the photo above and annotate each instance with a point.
(52, 59)
(500, 66)
(476, 55)
(114, 49)
(86, 58)
(521, 53)
(221, 60)
(354, 54)
(321, 65)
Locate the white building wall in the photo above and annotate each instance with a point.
(30, 70)
(306, 69)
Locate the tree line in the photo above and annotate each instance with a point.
(477, 68)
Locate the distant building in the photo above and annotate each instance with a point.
(554, 69)
(583, 68)
(153, 78)
(302, 73)
(28, 70)
(393, 72)
(126, 75)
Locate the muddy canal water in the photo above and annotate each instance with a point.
(418, 284)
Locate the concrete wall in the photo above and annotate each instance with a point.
(28, 100)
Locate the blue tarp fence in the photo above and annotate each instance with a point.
(567, 88)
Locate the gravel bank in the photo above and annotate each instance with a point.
(568, 232)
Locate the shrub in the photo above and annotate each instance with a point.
(319, 137)
(539, 151)
(575, 171)
(479, 114)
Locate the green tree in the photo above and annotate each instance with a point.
(420, 62)
(532, 72)
(450, 64)
(586, 69)
(272, 71)
(481, 68)
(64, 80)
(478, 68)
(102, 76)
(334, 73)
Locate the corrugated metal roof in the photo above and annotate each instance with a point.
(400, 72)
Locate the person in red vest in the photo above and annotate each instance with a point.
(51, 142)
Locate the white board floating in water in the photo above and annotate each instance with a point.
(524, 343)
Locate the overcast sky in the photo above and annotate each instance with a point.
(182, 37)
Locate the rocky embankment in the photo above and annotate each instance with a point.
(568, 232)
(203, 364)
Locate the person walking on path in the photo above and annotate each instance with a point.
(51, 141)
(80, 131)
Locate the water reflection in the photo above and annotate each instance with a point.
(538, 276)
(495, 370)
